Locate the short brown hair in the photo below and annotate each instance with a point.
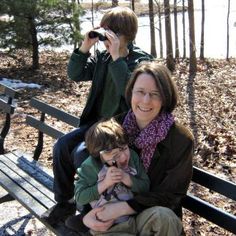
(121, 20)
(163, 80)
(105, 135)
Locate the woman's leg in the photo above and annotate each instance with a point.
(158, 221)
(127, 228)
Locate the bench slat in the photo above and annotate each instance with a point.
(24, 181)
(20, 195)
(28, 173)
(214, 183)
(40, 173)
(5, 107)
(41, 126)
(210, 212)
(55, 112)
(10, 92)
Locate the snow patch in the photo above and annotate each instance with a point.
(17, 84)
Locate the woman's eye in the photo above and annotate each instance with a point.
(155, 95)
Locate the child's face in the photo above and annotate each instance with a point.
(118, 155)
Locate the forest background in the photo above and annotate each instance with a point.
(207, 86)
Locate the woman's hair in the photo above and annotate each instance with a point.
(121, 20)
(105, 135)
(163, 80)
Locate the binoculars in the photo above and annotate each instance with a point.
(100, 33)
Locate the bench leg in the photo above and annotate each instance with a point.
(6, 198)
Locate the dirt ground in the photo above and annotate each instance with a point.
(207, 106)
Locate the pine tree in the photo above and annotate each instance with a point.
(35, 23)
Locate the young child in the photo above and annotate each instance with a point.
(112, 173)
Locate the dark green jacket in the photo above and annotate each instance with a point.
(84, 67)
(170, 171)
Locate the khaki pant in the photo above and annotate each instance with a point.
(154, 221)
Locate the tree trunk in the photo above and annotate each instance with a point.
(152, 29)
(192, 47)
(227, 52)
(115, 3)
(202, 31)
(169, 50)
(160, 29)
(183, 22)
(34, 43)
(176, 31)
(132, 5)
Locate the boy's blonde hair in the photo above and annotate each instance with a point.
(121, 20)
(105, 135)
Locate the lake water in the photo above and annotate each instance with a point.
(215, 29)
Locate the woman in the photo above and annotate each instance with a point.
(166, 150)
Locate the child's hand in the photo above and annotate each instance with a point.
(113, 44)
(114, 175)
(87, 43)
(126, 180)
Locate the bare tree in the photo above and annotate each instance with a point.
(115, 3)
(169, 50)
(202, 31)
(228, 13)
(160, 28)
(192, 47)
(152, 29)
(35, 43)
(132, 5)
(176, 31)
(183, 22)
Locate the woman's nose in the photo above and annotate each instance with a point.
(147, 97)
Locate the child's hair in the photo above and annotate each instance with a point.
(121, 20)
(105, 135)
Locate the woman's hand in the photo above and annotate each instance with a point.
(91, 221)
(112, 211)
(87, 43)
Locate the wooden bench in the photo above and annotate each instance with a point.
(205, 209)
(32, 185)
(21, 175)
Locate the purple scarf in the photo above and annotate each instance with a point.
(147, 138)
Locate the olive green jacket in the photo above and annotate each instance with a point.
(84, 67)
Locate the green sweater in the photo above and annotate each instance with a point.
(86, 189)
(84, 67)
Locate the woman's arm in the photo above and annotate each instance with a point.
(92, 222)
(100, 219)
(170, 173)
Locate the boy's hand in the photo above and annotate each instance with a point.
(114, 175)
(87, 43)
(126, 180)
(114, 44)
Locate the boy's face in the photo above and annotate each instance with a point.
(120, 156)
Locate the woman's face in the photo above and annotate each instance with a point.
(146, 101)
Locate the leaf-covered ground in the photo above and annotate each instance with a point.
(207, 106)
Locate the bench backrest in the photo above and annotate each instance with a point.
(43, 128)
(207, 210)
(7, 107)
